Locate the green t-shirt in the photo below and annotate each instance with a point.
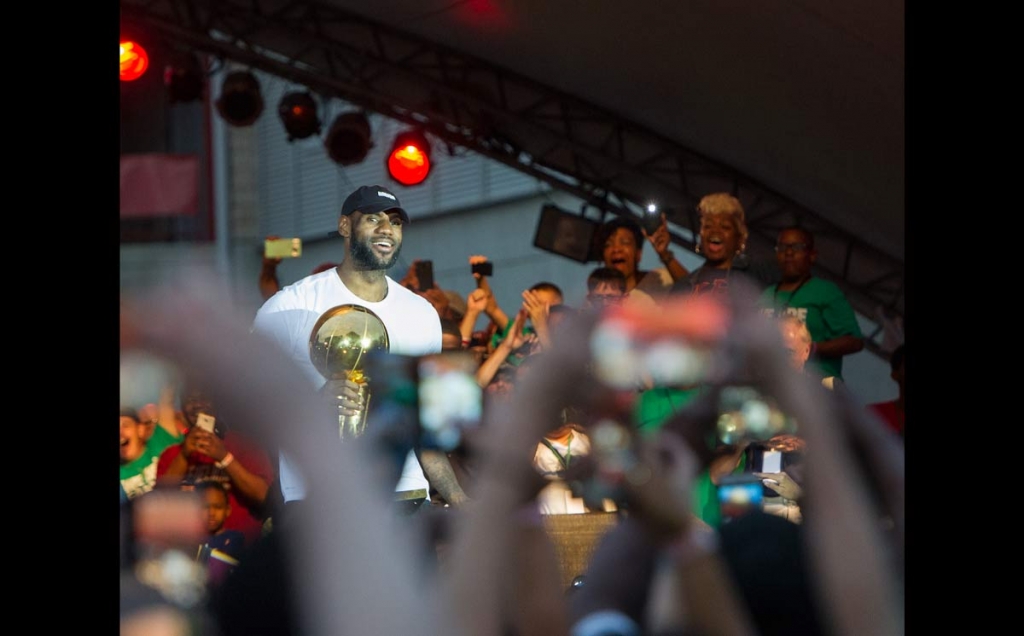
(653, 408)
(824, 308)
(138, 477)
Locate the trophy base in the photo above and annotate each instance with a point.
(409, 501)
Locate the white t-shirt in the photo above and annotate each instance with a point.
(556, 498)
(288, 318)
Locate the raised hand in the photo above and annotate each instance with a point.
(476, 302)
(781, 483)
(208, 444)
(476, 259)
(536, 308)
(660, 238)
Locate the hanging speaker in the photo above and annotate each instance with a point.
(566, 234)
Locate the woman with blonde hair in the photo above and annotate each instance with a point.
(722, 238)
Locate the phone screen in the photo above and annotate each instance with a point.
(206, 422)
(425, 275)
(484, 269)
(739, 494)
(282, 248)
(450, 399)
(771, 462)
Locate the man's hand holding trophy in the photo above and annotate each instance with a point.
(339, 344)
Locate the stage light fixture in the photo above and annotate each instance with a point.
(298, 114)
(348, 139)
(409, 160)
(240, 102)
(185, 81)
(134, 60)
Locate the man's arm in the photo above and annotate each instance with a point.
(493, 311)
(249, 486)
(514, 339)
(476, 302)
(269, 285)
(839, 318)
(439, 472)
(836, 347)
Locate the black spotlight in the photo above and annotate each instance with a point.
(240, 102)
(298, 113)
(185, 81)
(348, 139)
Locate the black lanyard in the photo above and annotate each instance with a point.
(792, 294)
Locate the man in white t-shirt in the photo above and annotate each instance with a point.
(371, 224)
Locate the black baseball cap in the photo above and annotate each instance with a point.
(370, 199)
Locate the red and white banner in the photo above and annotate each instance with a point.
(158, 184)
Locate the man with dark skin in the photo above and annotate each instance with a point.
(226, 456)
(821, 304)
(371, 224)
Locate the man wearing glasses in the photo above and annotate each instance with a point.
(821, 304)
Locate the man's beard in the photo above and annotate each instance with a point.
(364, 258)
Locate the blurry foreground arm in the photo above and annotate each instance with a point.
(691, 589)
(168, 417)
(337, 582)
(485, 541)
(857, 569)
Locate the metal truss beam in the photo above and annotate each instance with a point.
(608, 162)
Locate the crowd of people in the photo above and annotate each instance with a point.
(752, 492)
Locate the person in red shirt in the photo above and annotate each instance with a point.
(225, 456)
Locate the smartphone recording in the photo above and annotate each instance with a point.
(282, 248)
(425, 275)
(485, 268)
(651, 220)
(206, 422)
(738, 495)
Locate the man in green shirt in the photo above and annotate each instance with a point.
(821, 304)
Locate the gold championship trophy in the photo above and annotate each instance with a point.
(341, 339)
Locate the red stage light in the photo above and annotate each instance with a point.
(134, 61)
(409, 160)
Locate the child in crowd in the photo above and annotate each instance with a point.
(223, 547)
